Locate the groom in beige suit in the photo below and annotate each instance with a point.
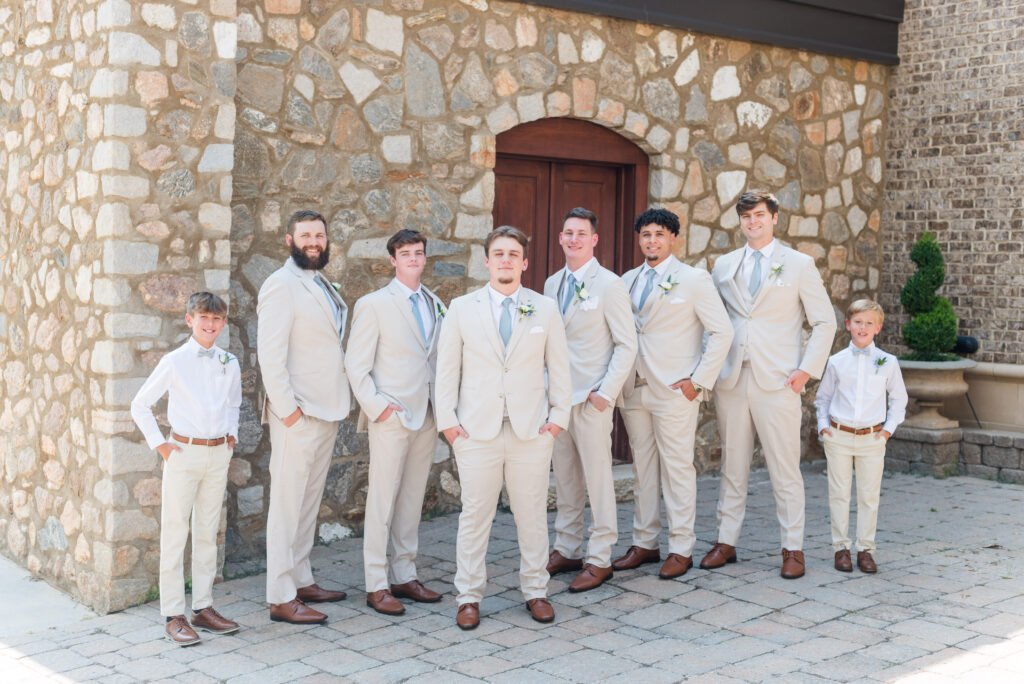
(503, 395)
(301, 319)
(676, 307)
(602, 350)
(769, 291)
(390, 362)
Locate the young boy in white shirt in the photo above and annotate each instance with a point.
(855, 420)
(204, 388)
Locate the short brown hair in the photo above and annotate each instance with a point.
(751, 198)
(406, 237)
(582, 213)
(862, 305)
(206, 302)
(305, 215)
(509, 232)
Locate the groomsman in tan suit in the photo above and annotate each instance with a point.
(602, 350)
(769, 291)
(391, 359)
(501, 416)
(675, 307)
(301, 318)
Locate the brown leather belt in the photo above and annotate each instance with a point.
(855, 431)
(198, 442)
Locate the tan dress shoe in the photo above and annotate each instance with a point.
(468, 616)
(297, 613)
(558, 563)
(591, 577)
(213, 622)
(675, 566)
(719, 555)
(792, 564)
(635, 557)
(540, 610)
(843, 562)
(866, 563)
(383, 602)
(316, 594)
(416, 591)
(180, 632)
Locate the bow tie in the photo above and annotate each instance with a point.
(857, 351)
(208, 353)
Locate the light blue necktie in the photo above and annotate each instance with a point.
(505, 326)
(330, 300)
(648, 287)
(570, 290)
(414, 303)
(755, 275)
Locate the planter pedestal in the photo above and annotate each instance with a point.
(931, 383)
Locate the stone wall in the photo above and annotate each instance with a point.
(954, 166)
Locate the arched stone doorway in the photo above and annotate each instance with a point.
(546, 167)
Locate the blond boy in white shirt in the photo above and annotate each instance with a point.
(204, 388)
(860, 401)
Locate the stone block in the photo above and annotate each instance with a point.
(397, 149)
(1000, 457)
(974, 436)
(130, 48)
(970, 454)
(384, 32)
(110, 292)
(112, 357)
(1003, 439)
(129, 525)
(113, 219)
(113, 13)
(469, 227)
(250, 501)
(360, 82)
(160, 16)
(111, 492)
(130, 187)
(120, 324)
(118, 456)
(108, 83)
(982, 471)
(110, 154)
(215, 218)
(225, 39)
(724, 84)
(1012, 475)
(129, 258)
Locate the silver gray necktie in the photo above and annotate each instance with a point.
(648, 287)
(505, 326)
(755, 275)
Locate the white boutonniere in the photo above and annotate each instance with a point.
(879, 362)
(776, 269)
(225, 359)
(525, 310)
(441, 311)
(581, 294)
(667, 284)
(337, 288)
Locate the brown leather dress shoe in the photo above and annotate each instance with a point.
(590, 577)
(468, 616)
(558, 563)
(792, 564)
(866, 563)
(416, 591)
(297, 613)
(316, 594)
(180, 632)
(213, 622)
(383, 602)
(843, 562)
(719, 555)
(540, 610)
(675, 566)
(635, 557)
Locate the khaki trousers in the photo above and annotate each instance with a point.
(846, 452)
(582, 461)
(299, 459)
(523, 466)
(775, 415)
(193, 486)
(661, 436)
(400, 461)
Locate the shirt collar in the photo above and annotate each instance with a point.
(867, 351)
(659, 269)
(497, 298)
(405, 288)
(193, 346)
(581, 272)
(766, 251)
(304, 272)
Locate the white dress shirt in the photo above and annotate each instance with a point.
(423, 303)
(496, 309)
(203, 394)
(853, 390)
(641, 281)
(747, 266)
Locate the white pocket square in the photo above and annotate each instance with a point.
(677, 300)
(536, 329)
(588, 304)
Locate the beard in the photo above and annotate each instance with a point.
(306, 263)
(652, 257)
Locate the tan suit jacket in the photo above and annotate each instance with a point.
(671, 330)
(298, 347)
(600, 329)
(479, 381)
(769, 326)
(388, 360)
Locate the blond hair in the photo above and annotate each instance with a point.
(862, 305)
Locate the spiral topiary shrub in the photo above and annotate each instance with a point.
(931, 332)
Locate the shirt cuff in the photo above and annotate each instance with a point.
(604, 396)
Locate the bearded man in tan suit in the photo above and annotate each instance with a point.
(503, 395)
(769, 291)
(675, 307)
(602, 350)
(392, 354)
(301, 319)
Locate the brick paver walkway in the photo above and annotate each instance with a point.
(947, 605)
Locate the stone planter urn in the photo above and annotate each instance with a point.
(931, 383)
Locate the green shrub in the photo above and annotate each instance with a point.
(931, 332)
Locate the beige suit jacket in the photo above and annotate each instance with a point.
(769, 326)
(673, 326)
(298, 347)
(388, 360)
(600, 331)
(478, 380)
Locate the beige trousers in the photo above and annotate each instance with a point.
(523, 466)
(299, 459)
(775, 416)
(193, 486)
(400, 461)
(582, 461)
(661, 437)
(846, 452)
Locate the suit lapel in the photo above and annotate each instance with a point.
(731, 268)
(574, 304)
(436, 307)
(519, 322)
(655, 300)
(629, 277)
(486, 318)
(317, 293)
(405, 310)
(768, 279)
